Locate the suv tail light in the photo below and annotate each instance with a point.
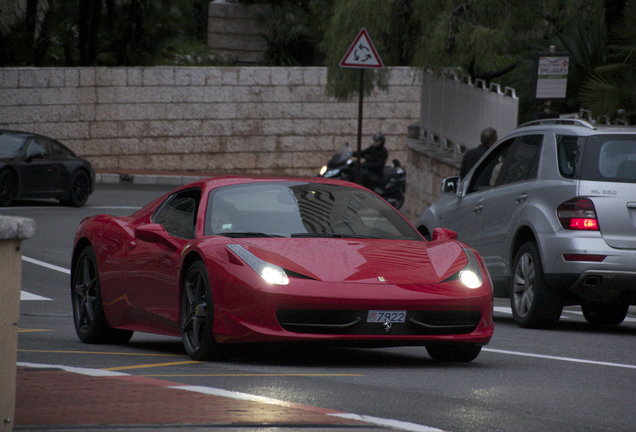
(578, 214)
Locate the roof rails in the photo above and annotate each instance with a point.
(573, 122)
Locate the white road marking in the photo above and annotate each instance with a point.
(77, 370)
(47, 265)
(508, 311)
(396, 424)
(566, 359)
(29, 296)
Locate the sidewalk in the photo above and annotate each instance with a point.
(174, 178)
(58, 398)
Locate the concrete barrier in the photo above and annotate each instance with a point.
(13, 231)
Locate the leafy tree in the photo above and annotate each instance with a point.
(494, 40)
(293, 30)
(106, 32)
(610, 91)
(486, 39)
(348, 18)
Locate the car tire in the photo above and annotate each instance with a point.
(534, 304)
(8, 187)
(604, 314)
(88, 312)
(79, 190)
(197, 314)
(453, 353)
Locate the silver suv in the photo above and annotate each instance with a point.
(551, 208)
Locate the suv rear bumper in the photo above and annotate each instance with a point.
(594, 285)
(611, 279)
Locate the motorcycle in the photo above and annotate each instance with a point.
(391, 186)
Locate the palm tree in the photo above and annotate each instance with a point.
(611, 90)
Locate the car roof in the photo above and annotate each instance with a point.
(573, 127)
(14, 132)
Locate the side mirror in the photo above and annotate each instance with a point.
(444, 234)
(450, 185)
(155, 233)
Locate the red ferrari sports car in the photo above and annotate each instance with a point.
(235, 260)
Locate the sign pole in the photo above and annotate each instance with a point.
(360, 98)
(361, 55)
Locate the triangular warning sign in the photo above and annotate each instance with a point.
(362, 53)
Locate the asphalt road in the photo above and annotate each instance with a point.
(572, 378)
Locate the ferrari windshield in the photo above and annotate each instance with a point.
(302, 209)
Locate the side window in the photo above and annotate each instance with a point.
(57, 150)
(523, 163)
(568, 154)
(35, 148)
(486, 173)
(179, 213)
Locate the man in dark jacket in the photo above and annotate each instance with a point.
(472, 156)
(375, 157)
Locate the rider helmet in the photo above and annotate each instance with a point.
(378, 137)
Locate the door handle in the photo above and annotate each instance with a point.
(522, 198)
(478, 209)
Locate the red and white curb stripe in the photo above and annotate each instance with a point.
(389, 423)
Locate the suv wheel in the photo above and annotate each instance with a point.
(604, 314)
(533, 303)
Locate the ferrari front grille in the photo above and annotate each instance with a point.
(354, 322)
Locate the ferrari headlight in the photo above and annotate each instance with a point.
(471, 274)
(270, 272)
(470, 278)
(323, 170)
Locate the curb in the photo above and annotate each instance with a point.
(146, 179)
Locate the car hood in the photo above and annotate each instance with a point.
(362, 260)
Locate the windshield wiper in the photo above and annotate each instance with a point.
(248, 234)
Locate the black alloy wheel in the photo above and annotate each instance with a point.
(533, 303)
(604, 314)
(8, 187)
(80, 189)
(88, 312)
(453, 352)
(197, 314)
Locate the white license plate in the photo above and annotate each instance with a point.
(392, 316)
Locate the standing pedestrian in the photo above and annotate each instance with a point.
(472, 156)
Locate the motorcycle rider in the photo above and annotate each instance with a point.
(375, 157)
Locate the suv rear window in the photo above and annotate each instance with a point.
(610, 158)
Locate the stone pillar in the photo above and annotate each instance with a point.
(13, 230)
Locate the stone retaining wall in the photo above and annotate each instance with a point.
(225, 120)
